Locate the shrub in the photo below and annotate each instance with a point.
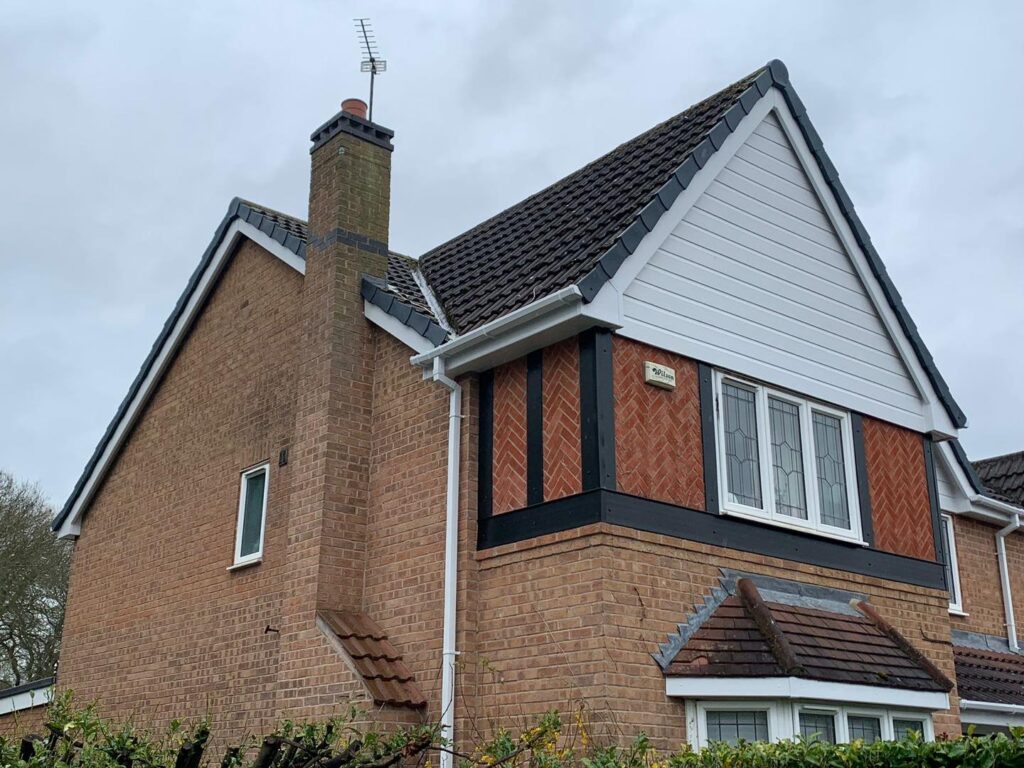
(78, 738)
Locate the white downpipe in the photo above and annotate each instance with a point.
(1004, 578)
(451, 555)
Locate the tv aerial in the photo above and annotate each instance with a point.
(372, 62)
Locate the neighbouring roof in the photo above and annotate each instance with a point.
(749, 636)
(35, 685)
(579, 230)
(985, 675)
(387, 677)
(1003, 476)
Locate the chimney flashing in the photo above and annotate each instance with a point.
(346, 122)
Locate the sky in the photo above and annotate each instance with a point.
(126, 128)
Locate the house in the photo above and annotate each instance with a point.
(661, 438)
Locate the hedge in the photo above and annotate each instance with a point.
(78, 738)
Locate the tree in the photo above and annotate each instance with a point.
(34, 568)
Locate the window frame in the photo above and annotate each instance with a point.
(784, 717)
(807, 407)
(956, 606)
(257, 556)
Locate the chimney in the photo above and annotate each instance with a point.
(355, 107)
(349, 202)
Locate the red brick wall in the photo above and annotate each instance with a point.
(901, 510)
(561, 372)
(509, 473)
(979, 577)
(14, 725)
(658, 451)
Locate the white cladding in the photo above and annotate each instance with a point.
(755, 279)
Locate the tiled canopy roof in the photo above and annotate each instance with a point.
(984, 675)
(1004, 476)
(379, 663)
(746, 636)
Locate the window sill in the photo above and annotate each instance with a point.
(776, 523)
(958, 612)
(245, 564)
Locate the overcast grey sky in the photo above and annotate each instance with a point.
(127, 128)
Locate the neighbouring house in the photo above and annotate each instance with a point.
(23, 707)
(661, 439)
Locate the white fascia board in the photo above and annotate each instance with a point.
(549, 319)
(991, 713)
(25, 700)
(968, 502)
(396, 328)
(71, 527)
(933, 417)
(802, 689)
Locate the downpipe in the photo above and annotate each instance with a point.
(1004, 579)
(451, 553)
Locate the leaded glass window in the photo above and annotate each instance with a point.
(732, 726)
(742, 463)
(817, 725)
(831, 464)
(901, 728)
(787, 458)
(867, 729)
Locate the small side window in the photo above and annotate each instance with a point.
(952, 567)
(252, 514)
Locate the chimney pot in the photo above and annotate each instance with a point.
(355, 107)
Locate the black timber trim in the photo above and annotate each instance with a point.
(535, 427)
(708, 437)
(597, 410)
(237, 210)
(634, 512)
(933, 501)
(345, 122)
(485, 449)
(375, 291)
(35, 685)
(867, 525)
(774, 74)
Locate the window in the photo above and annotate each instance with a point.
(252, 515)
(785, 459)
(779, 719)
(952, 568)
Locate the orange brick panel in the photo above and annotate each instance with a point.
(900, 508)
(562, 470)
(658, 453)
(509, 474)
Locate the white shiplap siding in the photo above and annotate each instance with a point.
(754, 278)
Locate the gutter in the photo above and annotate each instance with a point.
(1004, 579)
(992, 706)
(451, 554)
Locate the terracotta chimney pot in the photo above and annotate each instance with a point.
(355, 107)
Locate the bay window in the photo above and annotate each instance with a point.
(785, 459)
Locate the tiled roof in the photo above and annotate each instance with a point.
(379, 663)
(983, 675)
(274, 223)
(554, 238)
(1004, 476)
(746, 636)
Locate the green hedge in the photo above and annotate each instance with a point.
(78, 738)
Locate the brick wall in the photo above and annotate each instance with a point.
(658, 451)
(979, 577)
(156, 625)
(509, 473)
(898, 484)
(574, 617)
(14, 725)
(561, 386)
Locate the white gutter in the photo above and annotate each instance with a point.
(451, 554)
(992, 706)
(1004, 578)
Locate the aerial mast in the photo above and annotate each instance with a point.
(372, 62)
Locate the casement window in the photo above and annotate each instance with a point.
(776, 720)
(252, 515)
(952, 567)
(785, 459)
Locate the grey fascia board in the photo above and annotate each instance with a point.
(34, 685)
(775, 73)
(965, 464)
(404, 313)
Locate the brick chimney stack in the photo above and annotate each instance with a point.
(349, 207)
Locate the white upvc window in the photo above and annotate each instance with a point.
(784, 459)
(752, 720)
(956, 603)
(252, 515)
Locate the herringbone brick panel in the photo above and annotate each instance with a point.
(901, 511)
(657, 432)
(509, 472)
(562, 472)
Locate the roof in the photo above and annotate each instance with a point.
(1003, 476)
(986, 675)
(748, 636)
(34, 685)
(388, 679)
(581, 229)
